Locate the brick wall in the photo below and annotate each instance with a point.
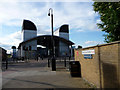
(109, 65)
(89, 67)
(103, 69)
(119, 64)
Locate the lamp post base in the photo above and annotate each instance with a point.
(53, 64)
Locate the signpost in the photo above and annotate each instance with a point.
(88, 53)
(87, 56)
(92, 51)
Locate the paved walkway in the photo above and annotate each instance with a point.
(37, 75)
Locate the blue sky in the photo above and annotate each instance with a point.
(79, 15)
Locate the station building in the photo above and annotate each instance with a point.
(28, 48)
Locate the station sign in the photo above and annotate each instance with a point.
(92, 51)
(88, 56)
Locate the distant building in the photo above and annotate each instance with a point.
(14, 52)
(28, 47)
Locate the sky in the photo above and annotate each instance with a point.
(79, 15)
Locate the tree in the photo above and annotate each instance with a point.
(110, 19)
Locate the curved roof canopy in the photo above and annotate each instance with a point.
(28, 25)
(13, 47)
(45, 40)
(64, 28)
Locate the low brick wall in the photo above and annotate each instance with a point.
(103, 70)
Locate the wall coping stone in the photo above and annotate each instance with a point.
(115, 42)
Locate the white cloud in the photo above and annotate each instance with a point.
(80, 30)
(80, 17)
(41, 30)
(46, 1)
(98, 21)
(93, 42)
(77, 15)
(10, 40)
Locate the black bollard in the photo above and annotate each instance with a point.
(48, 63)
(53, 64)
(65, 61)
(6, 64)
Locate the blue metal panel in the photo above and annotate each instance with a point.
(87, 56)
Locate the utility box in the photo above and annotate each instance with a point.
(75, 69)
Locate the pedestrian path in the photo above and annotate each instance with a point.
(37, 75)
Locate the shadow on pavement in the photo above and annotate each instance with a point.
(54, 86)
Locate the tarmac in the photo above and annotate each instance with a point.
(37, 74)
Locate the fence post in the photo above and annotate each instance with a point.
(48, 63)
(65, 61)
(6, 63)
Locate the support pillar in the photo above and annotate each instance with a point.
(71, 52)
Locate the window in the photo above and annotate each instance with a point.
(23, 47)
(30, 48)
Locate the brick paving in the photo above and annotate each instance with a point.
(37, 75)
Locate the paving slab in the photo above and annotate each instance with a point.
(37, 75)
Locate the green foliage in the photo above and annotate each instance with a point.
(8, 56)
(110, 17)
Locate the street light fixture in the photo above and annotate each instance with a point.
(52, 39)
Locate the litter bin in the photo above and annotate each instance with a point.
(75, 69)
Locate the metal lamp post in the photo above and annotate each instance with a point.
(52, 39)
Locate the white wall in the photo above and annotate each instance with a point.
(22, 51)
(56, 33)
(63, 49)
(33, 45)
(64, 35)
(18, 53)
(61, 34)
(28, 34)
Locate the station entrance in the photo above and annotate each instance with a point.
(62, 49)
